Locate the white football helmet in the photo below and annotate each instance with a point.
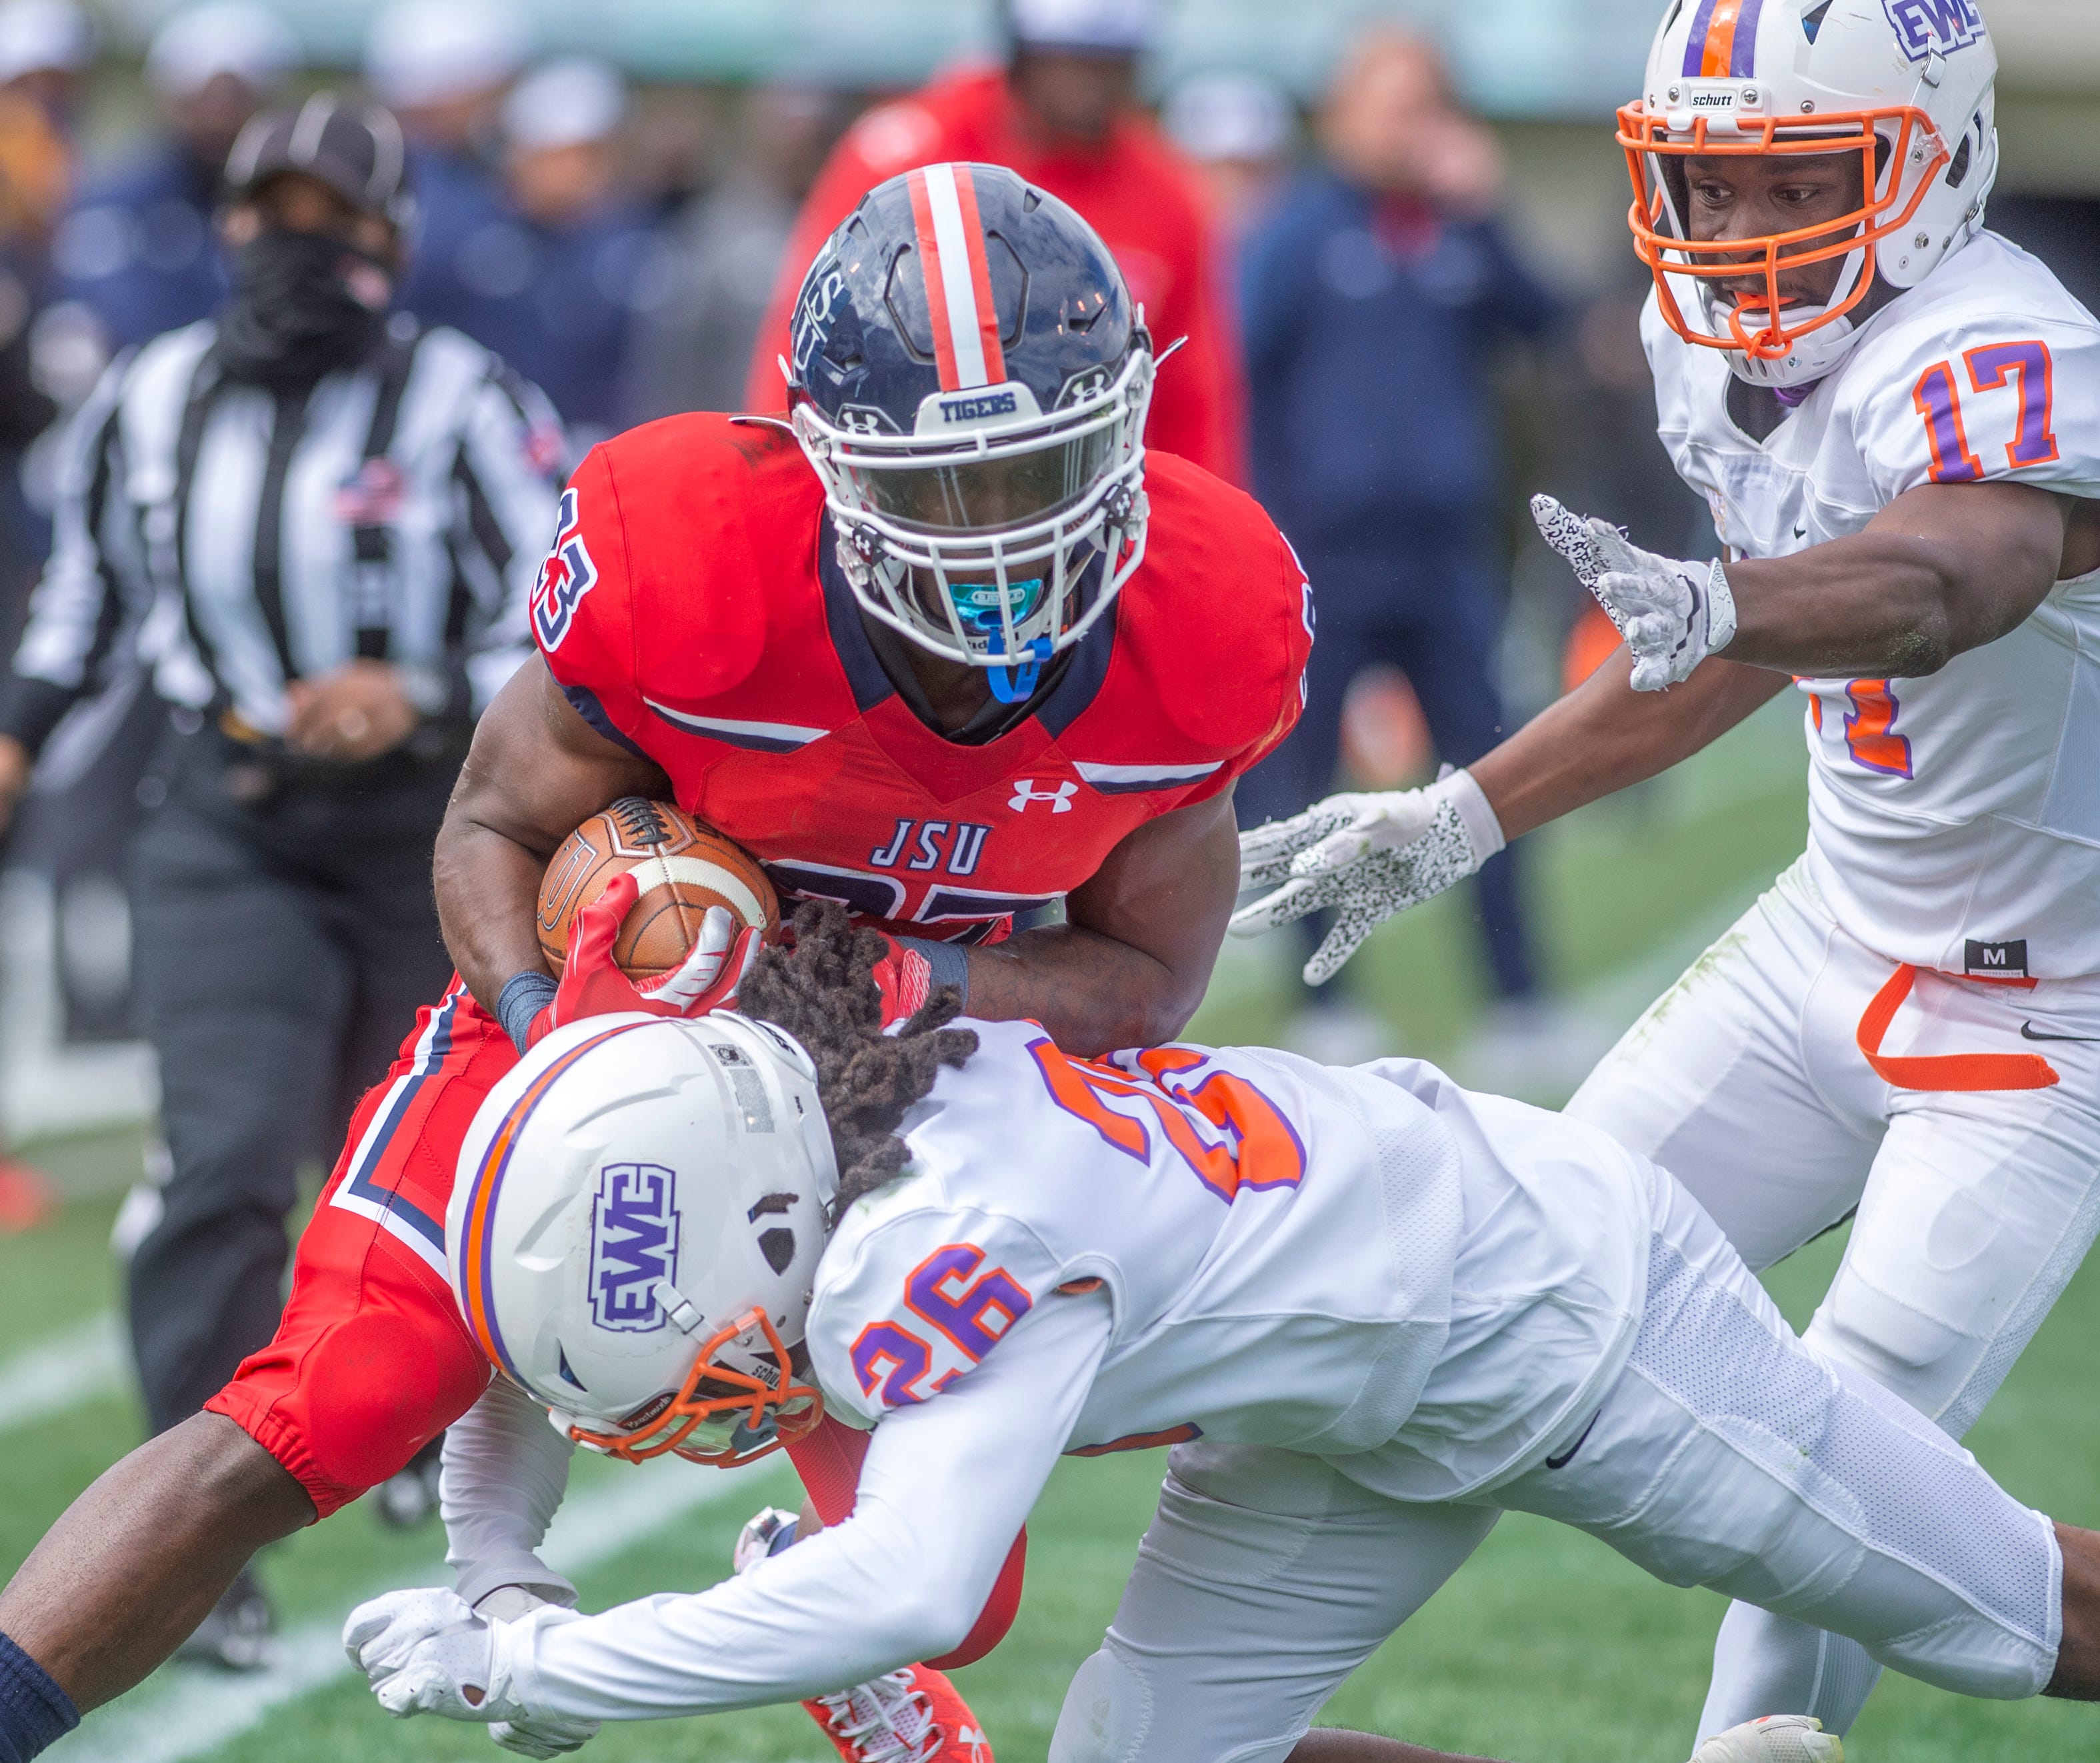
(634, 1232)
(1905, 84)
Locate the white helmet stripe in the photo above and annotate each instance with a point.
(951, 257)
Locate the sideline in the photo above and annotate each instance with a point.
(85, 1362)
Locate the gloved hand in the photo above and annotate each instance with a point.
(427, 1652)
(1776, 1738)
(904, 977)
(1369, 856)
(542, 1736)
(592, 983)
(1672, 615)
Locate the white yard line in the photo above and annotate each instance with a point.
(62, 1372)
(187, 1711)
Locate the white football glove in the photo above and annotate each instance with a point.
(427, 1652)
(1368, 856)
(1672, 615)
(1776, 1738)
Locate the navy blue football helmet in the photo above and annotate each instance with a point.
(970, 381)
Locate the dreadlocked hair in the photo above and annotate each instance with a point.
(823, 991)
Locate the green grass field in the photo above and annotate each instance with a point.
(1545, 1647)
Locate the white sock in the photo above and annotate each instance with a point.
(1767, 1665)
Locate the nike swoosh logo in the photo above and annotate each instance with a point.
(2029, 1032)
(1568, 1456)
(1801, 532)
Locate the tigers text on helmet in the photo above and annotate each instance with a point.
(1903, 84)
(635, 1228)
(970, 381)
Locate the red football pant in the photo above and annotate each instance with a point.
(373, 1360)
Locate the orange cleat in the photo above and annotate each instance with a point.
(912, 1715)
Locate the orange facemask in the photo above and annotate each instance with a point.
(1648, 141)
(794, 1409)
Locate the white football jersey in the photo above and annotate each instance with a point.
(1372, 1262)
(1954, 820)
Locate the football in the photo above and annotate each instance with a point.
(682, 869)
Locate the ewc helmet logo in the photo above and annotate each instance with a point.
(634, 1244)
(1922, 26)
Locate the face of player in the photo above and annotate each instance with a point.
(1754, 196)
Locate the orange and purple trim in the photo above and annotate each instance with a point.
(476, 1254)
(1723, 44)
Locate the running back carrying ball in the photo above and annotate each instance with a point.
(683, 870)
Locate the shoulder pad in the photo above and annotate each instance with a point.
(709, 510)
(1219, 615)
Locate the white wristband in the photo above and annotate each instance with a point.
(1476, 813)
(1720, 609)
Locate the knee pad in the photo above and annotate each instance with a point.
(1107, 1716)
(375, 1390)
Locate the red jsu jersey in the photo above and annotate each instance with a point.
(692, 612)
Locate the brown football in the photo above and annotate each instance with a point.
(683, 868)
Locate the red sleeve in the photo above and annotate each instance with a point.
(582, 606)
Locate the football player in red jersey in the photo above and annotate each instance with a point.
(987, 654)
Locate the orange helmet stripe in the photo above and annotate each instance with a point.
(473, 1274)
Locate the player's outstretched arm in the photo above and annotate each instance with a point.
(1943, 568)
(1129, 965)
(1371, 856)
(535, 772)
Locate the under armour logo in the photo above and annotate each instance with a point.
(1060, 799)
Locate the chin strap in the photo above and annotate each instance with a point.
(1016, 685)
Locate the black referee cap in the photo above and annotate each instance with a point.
(355, 148)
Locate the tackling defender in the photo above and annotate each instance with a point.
(965, 667)
(1896, 415)
(1375, 1309)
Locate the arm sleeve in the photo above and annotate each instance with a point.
(510, 445)
(580, 607)
(79, 607)
(946, 1485)
(505, 1470)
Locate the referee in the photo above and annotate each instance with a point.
(318, 523)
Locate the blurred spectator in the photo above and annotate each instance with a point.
(135, 254)
(46, 46)
(563, 268)
(723, 253)
(1063, 113)
(442, 67)
(1374, 296)
(1239, 128)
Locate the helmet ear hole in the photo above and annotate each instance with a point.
(1957, 172)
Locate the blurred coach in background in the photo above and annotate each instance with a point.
(1063, 113)
(318, 525)
(1374, 296)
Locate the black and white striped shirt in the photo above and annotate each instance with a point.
(236, 538)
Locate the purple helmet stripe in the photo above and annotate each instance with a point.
(1743, 56)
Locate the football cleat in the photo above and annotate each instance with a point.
(1776, 1738)
(912, 1715)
